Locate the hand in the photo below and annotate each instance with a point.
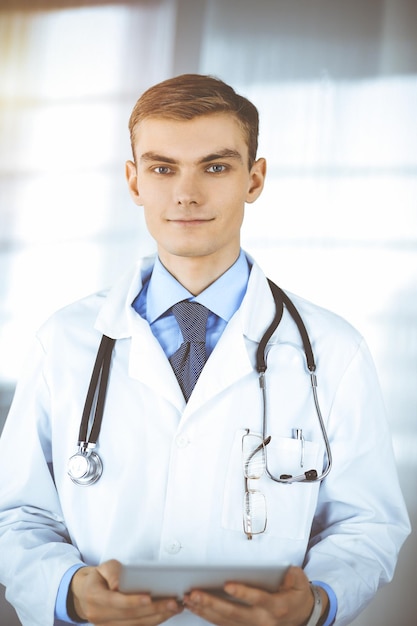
(291, 605)
(96, 599)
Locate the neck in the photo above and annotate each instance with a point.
(197, 273)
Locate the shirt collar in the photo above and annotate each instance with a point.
(223, 297)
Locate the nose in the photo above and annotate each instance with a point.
(187, 190)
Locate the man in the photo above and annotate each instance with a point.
(173, 482)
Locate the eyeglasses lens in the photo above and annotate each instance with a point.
(254, 505)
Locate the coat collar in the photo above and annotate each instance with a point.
(118, 319)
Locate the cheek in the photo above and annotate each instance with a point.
(146, 195)
(154, 204)
(151, 191)
(233, 215)
(151, 219)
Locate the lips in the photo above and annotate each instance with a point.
(190, 221)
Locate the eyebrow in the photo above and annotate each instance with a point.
(226, 153)
(153, 156)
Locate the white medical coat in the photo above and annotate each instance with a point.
(172, 485)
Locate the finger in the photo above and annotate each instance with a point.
(113, 606)
(166, 608)
(135, 609)
(250, 596)
(263, 603)
(218, 610)
(157, 615)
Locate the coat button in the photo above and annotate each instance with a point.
(173, 547)
(182, 441)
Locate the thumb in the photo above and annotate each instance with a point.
(294, 578)
(110, 571)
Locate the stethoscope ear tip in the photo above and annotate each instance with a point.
(309, 476)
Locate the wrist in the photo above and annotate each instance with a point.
(73, 605)
(329, 603)
(320, 606)
(325, 603)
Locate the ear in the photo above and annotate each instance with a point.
(132, 182)
(257, 179)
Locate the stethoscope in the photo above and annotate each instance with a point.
(85, 467)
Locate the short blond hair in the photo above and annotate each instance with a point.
(191, 95)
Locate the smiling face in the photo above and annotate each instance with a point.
(192, 179)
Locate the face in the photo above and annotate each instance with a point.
(192, 179)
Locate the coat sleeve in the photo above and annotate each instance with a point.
(361, 519)
(35, 547)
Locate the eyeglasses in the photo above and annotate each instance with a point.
(254, 503)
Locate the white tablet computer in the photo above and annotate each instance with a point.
(167, 580)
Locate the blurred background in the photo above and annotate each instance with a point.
(335, 82)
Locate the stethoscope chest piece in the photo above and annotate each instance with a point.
(85, 468)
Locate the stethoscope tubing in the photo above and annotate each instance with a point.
(99, 379)
(281, 298)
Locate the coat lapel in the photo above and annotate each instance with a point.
(149, 365)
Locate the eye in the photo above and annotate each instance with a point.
(216, 168)
(162, 169)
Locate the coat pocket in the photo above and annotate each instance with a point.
(289, 507)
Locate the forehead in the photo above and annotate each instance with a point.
(195, 138)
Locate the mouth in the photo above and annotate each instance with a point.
(190, 221)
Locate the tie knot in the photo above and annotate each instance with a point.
(192, 320)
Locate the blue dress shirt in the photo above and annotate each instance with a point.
(161, 291)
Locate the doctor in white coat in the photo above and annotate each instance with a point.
(172, 485)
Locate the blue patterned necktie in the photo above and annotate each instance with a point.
(188, 361)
